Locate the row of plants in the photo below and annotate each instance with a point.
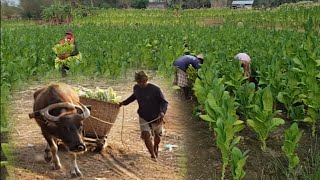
(285, 16)
(288, 74)
(289, 17)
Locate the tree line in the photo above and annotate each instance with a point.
(34, 8)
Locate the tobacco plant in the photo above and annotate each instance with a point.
(203, 86)
(233, 75)
(291, 139)
(238, 160)
(290, 95)
(307, 67)
(214, 103)
(227, 126)
(222, 111)
(221, 116)
(244, 99)
(263, 120)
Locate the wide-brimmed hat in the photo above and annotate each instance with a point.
(140, 76)
(200, 56)
(69, 31)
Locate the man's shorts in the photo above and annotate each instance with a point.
(153, 127)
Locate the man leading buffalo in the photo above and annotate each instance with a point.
(152, 108)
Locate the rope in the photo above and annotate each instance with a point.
(122, 125)
(122, 129)
(94, 130)
(123, 118)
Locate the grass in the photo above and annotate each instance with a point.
(308, 169)
(311, 168)
(8, 154)
(182, 161)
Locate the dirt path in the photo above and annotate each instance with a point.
(127, 159)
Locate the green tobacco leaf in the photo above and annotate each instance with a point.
(238, 122)
(253, 124)
(251, 89)
(318, 62)
(297, 70)
(297, 61)
(239, 171)
(199, 91)
(229, 83)
(209, 110)
(207, 118)
(238, 160)
(235, 141)
(291, 139)
(267, 99)
(295, 161)
(308, 120)
(281, 97)
(275, 122)
(237, 128)
(212, 101)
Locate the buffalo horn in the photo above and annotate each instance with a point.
(85, 111)
(54, 106)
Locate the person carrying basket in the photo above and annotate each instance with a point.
(152, 108)
(66, 52)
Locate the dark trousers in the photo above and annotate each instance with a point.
(187, 92)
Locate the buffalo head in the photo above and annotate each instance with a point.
(66, 126)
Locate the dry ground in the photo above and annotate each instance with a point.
(123, 159)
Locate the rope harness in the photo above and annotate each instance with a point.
(122, 125)
(123, 118)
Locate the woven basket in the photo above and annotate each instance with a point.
(107, 112)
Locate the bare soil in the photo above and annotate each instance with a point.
(126, 157)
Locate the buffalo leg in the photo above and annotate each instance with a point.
(54, 150)
(47, 154)
(75, 172)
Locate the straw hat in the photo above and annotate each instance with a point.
(200, 56)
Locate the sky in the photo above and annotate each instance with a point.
(15, 2)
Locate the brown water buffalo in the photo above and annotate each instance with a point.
(59, 114)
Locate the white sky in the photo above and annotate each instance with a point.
(13, 2)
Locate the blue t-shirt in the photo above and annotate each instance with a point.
(184, 61)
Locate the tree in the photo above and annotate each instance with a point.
(123, 4)
(219, 3)
(58, 13)
(140, 4)
(33, 8)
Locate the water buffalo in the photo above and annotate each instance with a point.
(59, 114)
